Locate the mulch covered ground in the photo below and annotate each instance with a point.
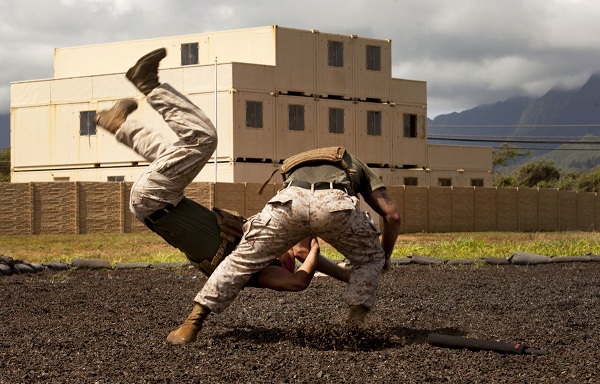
(109, 326)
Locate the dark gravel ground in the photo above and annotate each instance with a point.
(109, 326)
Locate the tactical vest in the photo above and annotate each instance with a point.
(332, 155)
(231, 232)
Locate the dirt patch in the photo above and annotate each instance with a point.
(109, 326)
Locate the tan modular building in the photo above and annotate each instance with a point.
(271, 91)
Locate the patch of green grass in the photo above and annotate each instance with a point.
(149, 247)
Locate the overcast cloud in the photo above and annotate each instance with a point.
(470, 52)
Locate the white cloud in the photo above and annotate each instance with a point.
(469, 51)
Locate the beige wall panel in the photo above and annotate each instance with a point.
(224, 121)
(567, 210)
(113, 88)
(16, 214)
(547, 209)
(175, 78)
(527, 214)
(292, 142)
(254, 45)
(248, 142)
(257, 173)
(453, 157)
(295, 61)
(416, 208)
(374, 149)
(30, 93)
(411, 92)
(586, 211)
(507, 213)
(231, 196)
(440, 209)
(463, 209)
(100, 207)
(71, 90)
(327, 139)
(369, 83)
(485, 209)
(30, 136)
(55, 208)
(201, 78)
(334, 81)
(253, 78)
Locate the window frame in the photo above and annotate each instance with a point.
(189, 54)
(373, 54)
(444, 182)
(335, 53)
(336, 121)
(374, 123)
(477, 182)
(87, 127)
(410, 122)
(296, 117)
(254, 114)
(409, 181)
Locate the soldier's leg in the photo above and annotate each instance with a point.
(352, 233)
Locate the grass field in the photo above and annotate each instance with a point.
(149, 247)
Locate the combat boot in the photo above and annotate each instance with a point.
(188, 331)
(112, 119)
(356, 315)
(144, 74)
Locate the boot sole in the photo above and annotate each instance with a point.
(154, 56)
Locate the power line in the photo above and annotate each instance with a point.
(486, 139)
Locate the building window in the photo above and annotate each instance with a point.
(410, 125)
(476, 182)
(189, 54)
(254, 114)
(373, 58)
(374, 123)
(444, 182)
(335, 51)
(86, 123)
(336, 120)
(115, 178)
(411, 181)
(296, 117)
(61, 178)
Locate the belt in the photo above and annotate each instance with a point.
(152, 218)
(316, 186)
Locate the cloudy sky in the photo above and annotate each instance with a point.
(470, 52)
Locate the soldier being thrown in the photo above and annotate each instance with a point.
(157, 197)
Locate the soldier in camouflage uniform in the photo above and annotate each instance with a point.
(318, 199)
(157, 197)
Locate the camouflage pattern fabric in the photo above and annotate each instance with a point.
(291, 215)
(174, 164)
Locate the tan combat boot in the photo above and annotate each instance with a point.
(112, 119)
(188, 331)
(144, 74)
(356, 315)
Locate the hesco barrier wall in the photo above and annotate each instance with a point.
(101, 207)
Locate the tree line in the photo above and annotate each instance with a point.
(541, 173)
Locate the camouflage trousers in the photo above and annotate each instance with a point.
(290, 216)
(174, 164)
